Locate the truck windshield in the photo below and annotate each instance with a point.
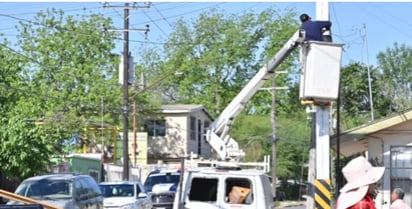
(161, 178)
(117, 190)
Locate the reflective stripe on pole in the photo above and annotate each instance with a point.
(323, 194)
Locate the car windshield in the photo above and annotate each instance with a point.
(117, 190)
(161, 179)
(53, 189)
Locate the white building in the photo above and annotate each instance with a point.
(176, 131)
(387, 141)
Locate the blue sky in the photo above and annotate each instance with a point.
(364, 28)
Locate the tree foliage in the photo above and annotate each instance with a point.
(69, 61)
(396, 70)
(355, 96)
(219, 53)
(26, 148)
(63, 69)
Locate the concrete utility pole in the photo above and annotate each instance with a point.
(322, 182)
(320, 86)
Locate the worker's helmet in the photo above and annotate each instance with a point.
(304, 17)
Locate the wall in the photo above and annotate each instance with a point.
(89, 164)
(171, 145)
(379, 145)
(179, 141)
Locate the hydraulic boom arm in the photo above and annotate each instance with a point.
(218, 132)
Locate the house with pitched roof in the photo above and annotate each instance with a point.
(176, 131)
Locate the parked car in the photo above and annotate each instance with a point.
(125, 195)
(161, 185)
(68, 191)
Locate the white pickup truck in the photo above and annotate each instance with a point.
(229, 187)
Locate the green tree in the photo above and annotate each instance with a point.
(69, 63)
(63, 69)
(354, 95)
(10, 78)
(294, 137)
(253, 132)
(219, 53)
(71, 67)
(26, 148)
(396, 67)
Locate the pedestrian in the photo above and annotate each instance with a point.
(314, 30)
(397, 199)
(358, 192)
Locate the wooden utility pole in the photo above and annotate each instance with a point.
(126, 56)
(274, 131)
(126, 94)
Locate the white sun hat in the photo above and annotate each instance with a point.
(359, 173)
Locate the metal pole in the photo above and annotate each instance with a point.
(338, 174)
(369, 75)
(134, 134)
(126, 94)
(274, 140)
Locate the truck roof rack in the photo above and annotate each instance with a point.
(227, 166)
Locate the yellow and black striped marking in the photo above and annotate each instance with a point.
(322, 194)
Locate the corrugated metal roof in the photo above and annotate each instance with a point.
(181, 107)
(355, 135)
(184, 108)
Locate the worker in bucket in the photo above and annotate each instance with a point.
(315, 30)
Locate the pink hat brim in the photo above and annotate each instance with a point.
(349, 198)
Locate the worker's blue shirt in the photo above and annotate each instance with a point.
(313, 29)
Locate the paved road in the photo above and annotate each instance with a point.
(296, 207)
(292, 205)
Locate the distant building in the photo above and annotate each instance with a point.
(177, 131)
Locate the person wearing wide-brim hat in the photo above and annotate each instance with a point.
(361, 177)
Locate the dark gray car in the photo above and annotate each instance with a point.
(68, 191)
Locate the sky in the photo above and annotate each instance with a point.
(365, 28)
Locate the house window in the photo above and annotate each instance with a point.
(192, 128)
(155, 127)
(401, 170)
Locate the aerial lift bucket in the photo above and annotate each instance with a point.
(321, 64)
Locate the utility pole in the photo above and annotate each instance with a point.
(369, 74)
(126, 55)
(126, 94)
(274, 130)
(320, 86)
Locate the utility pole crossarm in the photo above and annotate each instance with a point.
(218, 133)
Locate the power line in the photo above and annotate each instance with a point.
(158, 11)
